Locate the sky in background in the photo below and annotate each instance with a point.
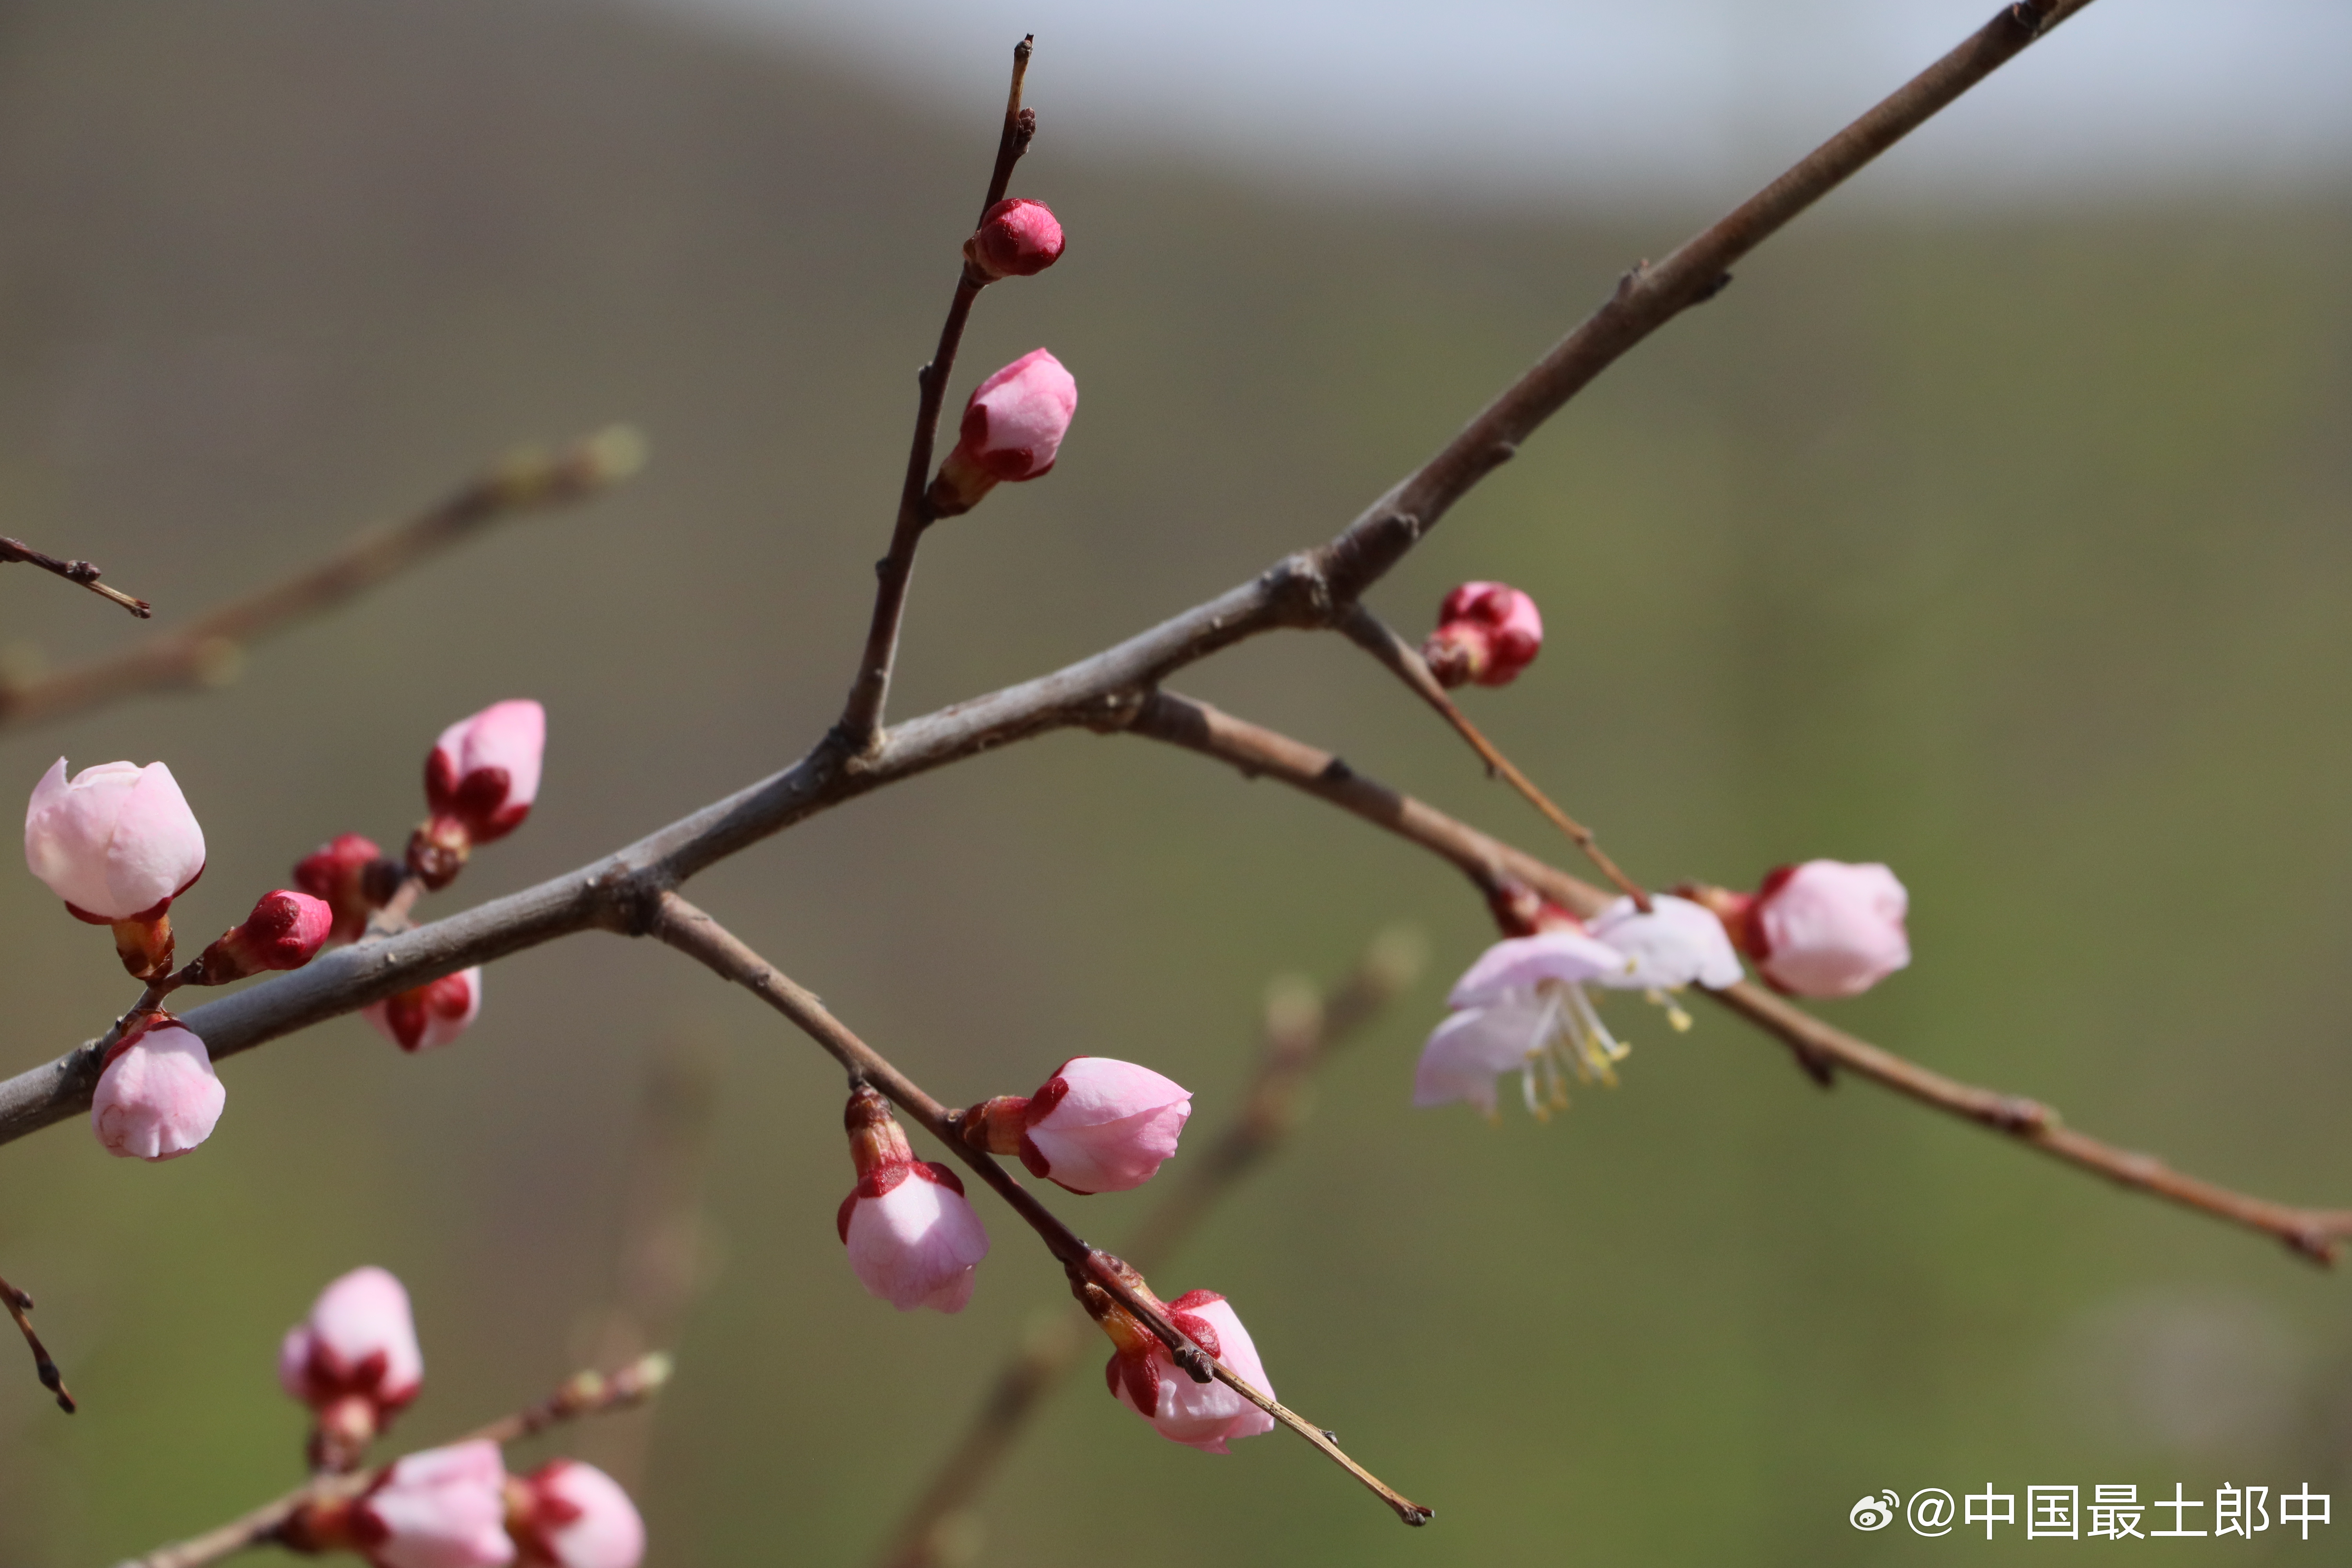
(1671, 97)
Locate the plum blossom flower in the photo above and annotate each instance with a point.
(1825, 928)
(1146, 1379)
(118, 843)
(158, 1097)
(354, 1361)
(284, 931)
(913, 1238)
(337, 871)
(1016, 238)
(480, 783)
(1486, 633)
(1013, 430)
(567, 1514)
(1523, 1006)
(442, 1508)
(1097, 1125)
(430, 1016)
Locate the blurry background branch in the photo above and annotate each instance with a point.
(15, 550)
(211, 649)
(20, 1307)
(1302, 1027)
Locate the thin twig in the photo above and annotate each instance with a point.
(1494, 865)
(16, 549)
(210, 649)
(861, 716)
(1308, 589)
(1301, 1030)
(1375, 636)
(694, 934)
(20, 1308)
(582, 1394)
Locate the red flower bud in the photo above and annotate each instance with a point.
(1016, 238)
(337, 871)
(284, 931)
(1012, 430)
(1486, 633)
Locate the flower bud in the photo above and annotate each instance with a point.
(1145, 1378)
(118, 843)
(1486, 633)
(159, 1097)
(480, 783)
(567, 1514)
(1095, 1126)
(1012, 430)
(342, 872)
(1016, 238)
(1822, 929)
(913, 1238)
(354, 1361)
(284, 931)
(441, 1508)
(430, 1016)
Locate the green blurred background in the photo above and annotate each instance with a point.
(2010, 549)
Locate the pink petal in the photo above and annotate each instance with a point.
(917, 1245)
(159, 1099)
(1468, 1050)
(1521, 963)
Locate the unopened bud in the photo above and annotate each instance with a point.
(284, 931)
(341, 871)
(567, 1514)
(1097, 1125)
(430, 1016)
(1486, 633)
(1013, 430)
(1821, 929)
(1016, 238)
(912, 1237)
(479, 781)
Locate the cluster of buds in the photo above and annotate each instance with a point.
(1095, 1126)
(354, 1361)
(1143, 1375)
(1823, 929)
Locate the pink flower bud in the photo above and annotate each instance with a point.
(1146, 1379)
(1095, 1126)
(158, 1097)
(1824, 927)
(432, 1015)
(567, 1514)
(1486, 633)
(359, 1343)
(1012, 430)
(443, 1507)
(479, 781)
(1016, 238)
(337, 871)
(118, 843)
(284, 931)
(913, 1238)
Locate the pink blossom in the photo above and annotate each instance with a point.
(1827, 928)
(443, 1507)
(1016, 238)
(158, 1097)
(484, 771)
(1097, 1125)
(1486, 633)
(1678, 943)
(337, 871)
(118, 843)
(359, 1343)
(430, 1016)
(284, 931)
(1146, 1379)
(1522, 1008)
(1013, 430)
(913, 1238)
(567, 1514)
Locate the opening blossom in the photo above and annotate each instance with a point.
(1486, 633)
(1013, 430)
(159, 1097)
(913, 1238)
(480, 783)
(1146, 1379)
(284, 931)
(430, 1016)
(354, 1361)
(443, 1507)
(567, 1514)
(1016, 238)
(1096, 1126)
(337, 872)
(1822, 929)
(118, 843)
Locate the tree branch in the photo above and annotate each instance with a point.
(694, 934)
(582, 1394)
(20, 1307)
(14, 550)
(861, 716)
(209, 649)
(1300, 1033)
(1494, 865)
